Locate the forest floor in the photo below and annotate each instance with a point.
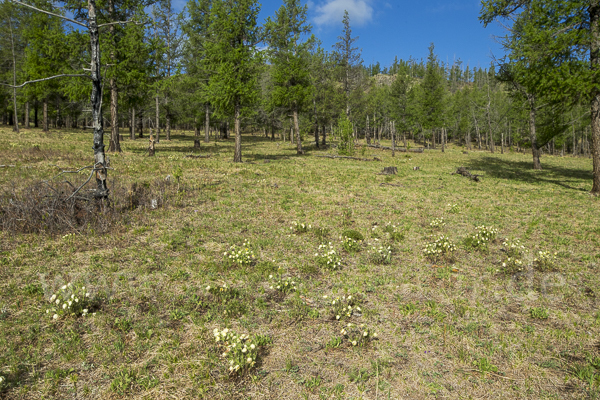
(458, 326)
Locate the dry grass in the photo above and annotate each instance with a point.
(456, 327)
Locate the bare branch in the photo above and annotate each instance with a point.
(49, 13)
(121, 23)
(46, 79)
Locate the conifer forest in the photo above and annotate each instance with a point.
(197, 201)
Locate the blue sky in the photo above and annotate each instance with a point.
(404, 28)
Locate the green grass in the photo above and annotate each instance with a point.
(458, 327)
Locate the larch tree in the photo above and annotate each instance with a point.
(233, 59)
(197, 31)
(433, 94)
(290, 57)
(562, 39)
(349, 60)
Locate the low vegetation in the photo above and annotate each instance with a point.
(295, 276)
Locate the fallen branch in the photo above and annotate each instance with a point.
(465, 172)
(352, 158)
(195, 156)
(389, 184)
(400, 149)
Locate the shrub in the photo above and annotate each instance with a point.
(346, 143)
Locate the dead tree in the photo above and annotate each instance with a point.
(91, 24)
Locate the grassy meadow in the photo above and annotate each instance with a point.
(492, 319)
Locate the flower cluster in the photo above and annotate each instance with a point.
(283, 285)
(393, 233)
(545, 261)
(68, 237)
(437, 223)
(440, 247)
(299, 227)
(242, 256)
(513, 247)
(344, 307)
(222, 291)
(452, 208)
(381, 255)
(350, 245)
(512, 265)
(70, 299)
(328, 257)
(483, 236)
(358, 335)
(237, 349)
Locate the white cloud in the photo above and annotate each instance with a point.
(332, 12)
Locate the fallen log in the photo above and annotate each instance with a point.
(400, 149)
(351, 158)
(465, 172)
(196, 156)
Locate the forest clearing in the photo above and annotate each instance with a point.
(203, 199)
(468, 323)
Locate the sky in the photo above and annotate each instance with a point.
(404, 28)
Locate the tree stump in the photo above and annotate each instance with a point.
(389, 171)
(151, 146)
(196, 143)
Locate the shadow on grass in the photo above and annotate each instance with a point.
(523, 172)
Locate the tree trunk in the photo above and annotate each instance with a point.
(316, 123)
(197, 134)
(533, 135)
(443, 141)
(367, 133)
(433, 139)
(26, 122)
(132, 124)
(114, 143)
(594, 11)
(35, 115)
(207, 124)
(237, 157)
(323, 137)
(96, 100)
(14, 71)
(297, 129)
(393, 131)
(157, 123)
(167, 119)
(45, 116)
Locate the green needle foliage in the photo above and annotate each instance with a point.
(233, 60)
